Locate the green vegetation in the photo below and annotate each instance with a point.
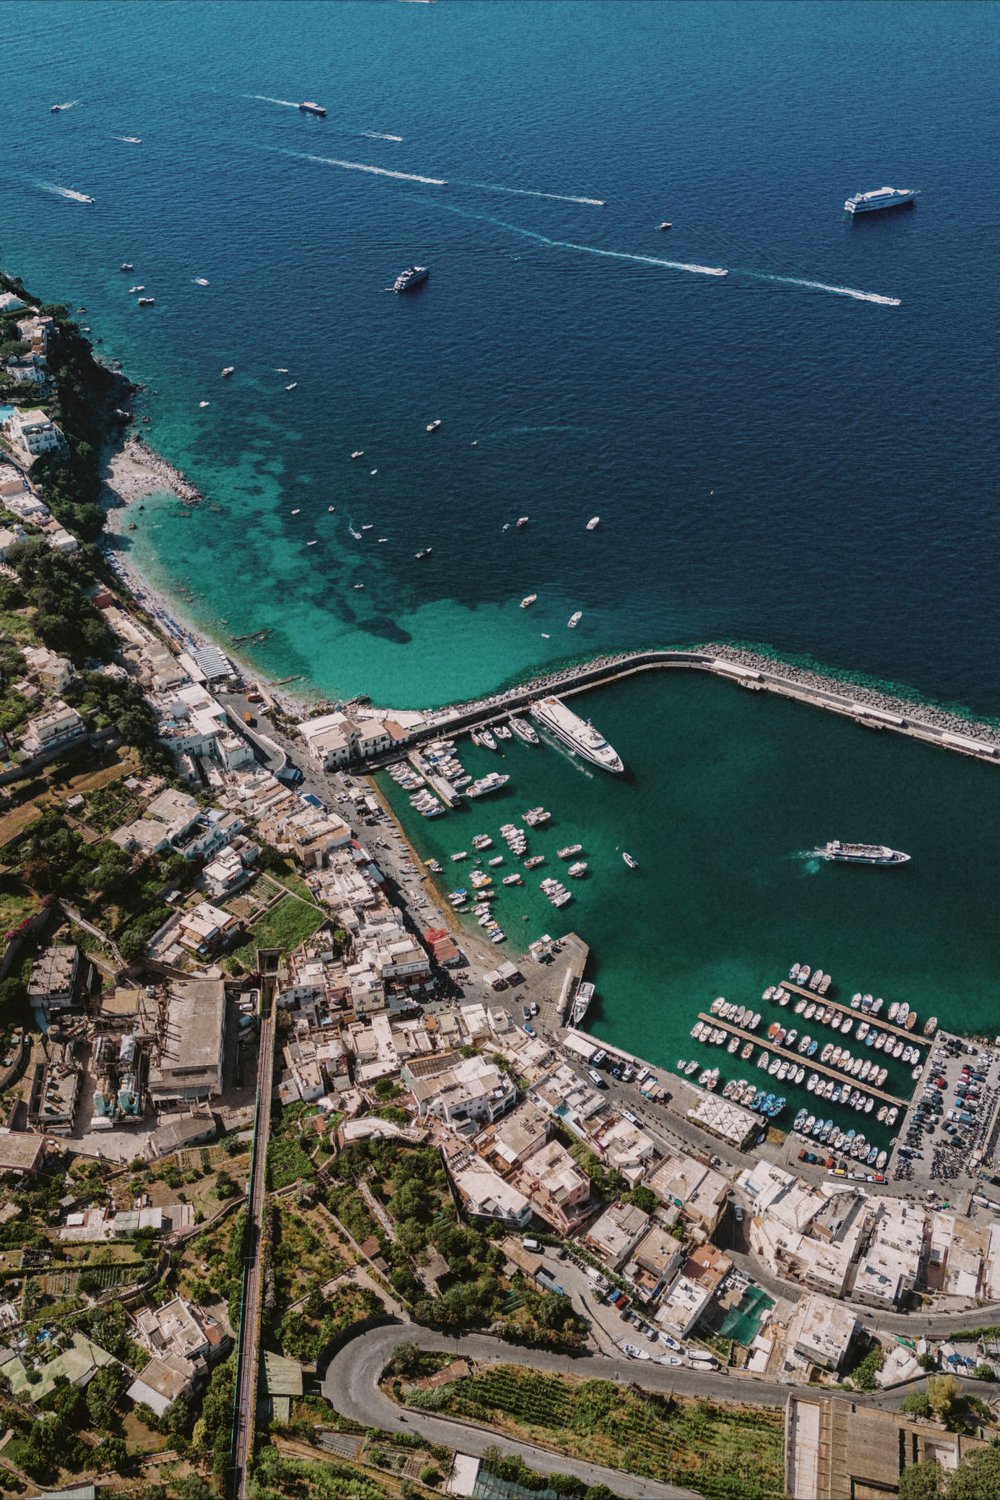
(286, 925)
(724, 1452)
(976, 1478)
(412, 1185)
(277, 1475)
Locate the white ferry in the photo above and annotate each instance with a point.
(579, 735)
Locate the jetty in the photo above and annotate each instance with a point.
(871, 708)
(809, 1063)
(823, 1002)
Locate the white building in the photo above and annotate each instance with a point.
(57, 727)
(33, 432)
(821, 1331)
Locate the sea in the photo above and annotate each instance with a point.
(800, 453)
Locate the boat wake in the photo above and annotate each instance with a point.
(71, 105)
(361, 166)
(494, 187)
(266, 99)
(543, 239)
(65, 192)
(823, 286)
(380, 135)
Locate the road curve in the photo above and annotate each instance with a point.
(350, 1384)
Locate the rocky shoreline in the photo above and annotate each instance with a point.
(132, 470)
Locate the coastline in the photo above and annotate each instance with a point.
(132, 470)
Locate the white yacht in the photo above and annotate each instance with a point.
(579, 735)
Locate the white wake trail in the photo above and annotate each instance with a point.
(65, 192)
(380, 135)
(823, 286)
(543, 239)
(361, 166)
(267, 99)
(495, 187)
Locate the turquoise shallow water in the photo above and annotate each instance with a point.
(772, 459)
(725, 791)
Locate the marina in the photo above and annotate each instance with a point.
(846, 1010)
(812, 1064)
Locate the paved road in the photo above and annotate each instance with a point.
(350, 1384)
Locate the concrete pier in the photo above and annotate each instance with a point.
(874, 710)
(809, 1063)
(875, 1022)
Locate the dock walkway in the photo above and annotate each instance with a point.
(809, 1063)
(875, 1022)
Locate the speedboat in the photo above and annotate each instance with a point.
(630, 860)
(574, 619)
(433, 426)
(528, 601)
(593, 523)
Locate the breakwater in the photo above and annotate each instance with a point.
(871, 707)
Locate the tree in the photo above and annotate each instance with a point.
(920, 1481)
(103, 1393)
(863, 1375)
(644, 1198)
(917, 1404)
(944, 1397)
(984, 1372)
(112, 1453)
(977, 1477)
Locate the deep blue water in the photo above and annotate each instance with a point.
(770, 461)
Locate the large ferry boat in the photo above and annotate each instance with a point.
(880, 198)
(861, 854)
(309, 108)
(406, 280)
(579, 735)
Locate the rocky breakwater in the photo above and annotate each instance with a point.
(865, 696)
(132, 470)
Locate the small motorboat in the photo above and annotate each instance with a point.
(227, 370)
(521, 521)
(630, 860)
(293, 386)
(433, 426)
(358, 453)
(126, 265)
(666, 224)
(574, 620)
(200, 281)
(202, 405)
(528, 601)
(593, 523)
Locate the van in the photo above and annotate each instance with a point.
(530, 1244)
(630, 1117)
(596, 1079)
(598, 1058)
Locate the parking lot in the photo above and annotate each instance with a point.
(948, 1135)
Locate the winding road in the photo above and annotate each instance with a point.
(351, 1385)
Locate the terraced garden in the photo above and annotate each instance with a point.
(727, 1452)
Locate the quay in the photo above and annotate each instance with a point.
(809, 1063)
(759, 673)
(875, 1022)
